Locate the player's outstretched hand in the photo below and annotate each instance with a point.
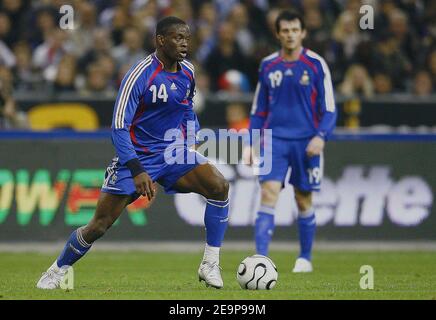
(315, 146)
(144, 185)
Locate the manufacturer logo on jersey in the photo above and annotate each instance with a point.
(173, 86)
(305, 80)
(289, 72)
(113, 179)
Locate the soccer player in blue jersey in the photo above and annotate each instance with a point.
(293, 98)
(152, 113)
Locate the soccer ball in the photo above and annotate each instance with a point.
(257, 272)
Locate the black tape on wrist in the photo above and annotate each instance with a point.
(135, 167)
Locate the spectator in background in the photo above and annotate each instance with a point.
(45, 23)
(66, 75)
(5, 29)
(101, 46)
(382, 83)
(388, 57)
(16, 11)
(238, 17)
(109, 69)
(108, 16)
(131, 49)
(271, 36)
(384, 9)
(225, 56)
(25, 76)
(432, 65)
(10, 116)
(429, 19)
(205, 35)
(47, 56)
(403, 34)
(346, 33)
(145, 19)
(7, 57)
(96, 81)
(223, 8)
(182, 9)
(237, 116)
(318, 34)
(84, 27)
(357, 82)
(120, 21)
(422, 84)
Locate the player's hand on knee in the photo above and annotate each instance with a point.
(144, 185)
(315, 146)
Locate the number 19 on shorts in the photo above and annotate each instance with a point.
(315, 175)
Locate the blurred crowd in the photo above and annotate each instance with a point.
(229, 39)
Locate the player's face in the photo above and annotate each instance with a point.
(290, 34)
(176, 41)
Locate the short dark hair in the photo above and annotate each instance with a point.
(289, 15)
(165, 23)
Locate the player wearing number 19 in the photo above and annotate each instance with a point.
(293, 98)
(153, 109)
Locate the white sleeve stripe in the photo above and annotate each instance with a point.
(122, 103)
(128, 88)
(256, 97)
(271, 56)
(187, 66)
(328, 88)
(188, 63)
(123, 98)
(127, 93)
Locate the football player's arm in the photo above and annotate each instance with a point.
(326, 102)
(258, 115)
(125, 107)
(259, 109)
(327, 110)
(190, 122)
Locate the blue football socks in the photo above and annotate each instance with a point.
(306, 232)
(216, 219)
(74, 249)
(264, 229)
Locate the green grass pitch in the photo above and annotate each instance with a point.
(168, 275)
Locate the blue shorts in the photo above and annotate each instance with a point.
(306, 172)
(118, 179)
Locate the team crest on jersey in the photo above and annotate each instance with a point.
(305, 80)
(289, 72)
(173, 86)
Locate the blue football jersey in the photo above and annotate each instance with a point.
(151, 103)
(294, 98)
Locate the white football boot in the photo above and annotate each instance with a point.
(51, 279)
(210, 273)
(302, 265)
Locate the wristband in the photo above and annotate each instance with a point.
(321, 135)
(135, 167)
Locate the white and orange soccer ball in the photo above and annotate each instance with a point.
(257, 272)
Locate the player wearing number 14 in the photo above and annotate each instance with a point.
(152, 118)
(293, 98)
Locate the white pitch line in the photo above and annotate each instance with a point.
(192, 246)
